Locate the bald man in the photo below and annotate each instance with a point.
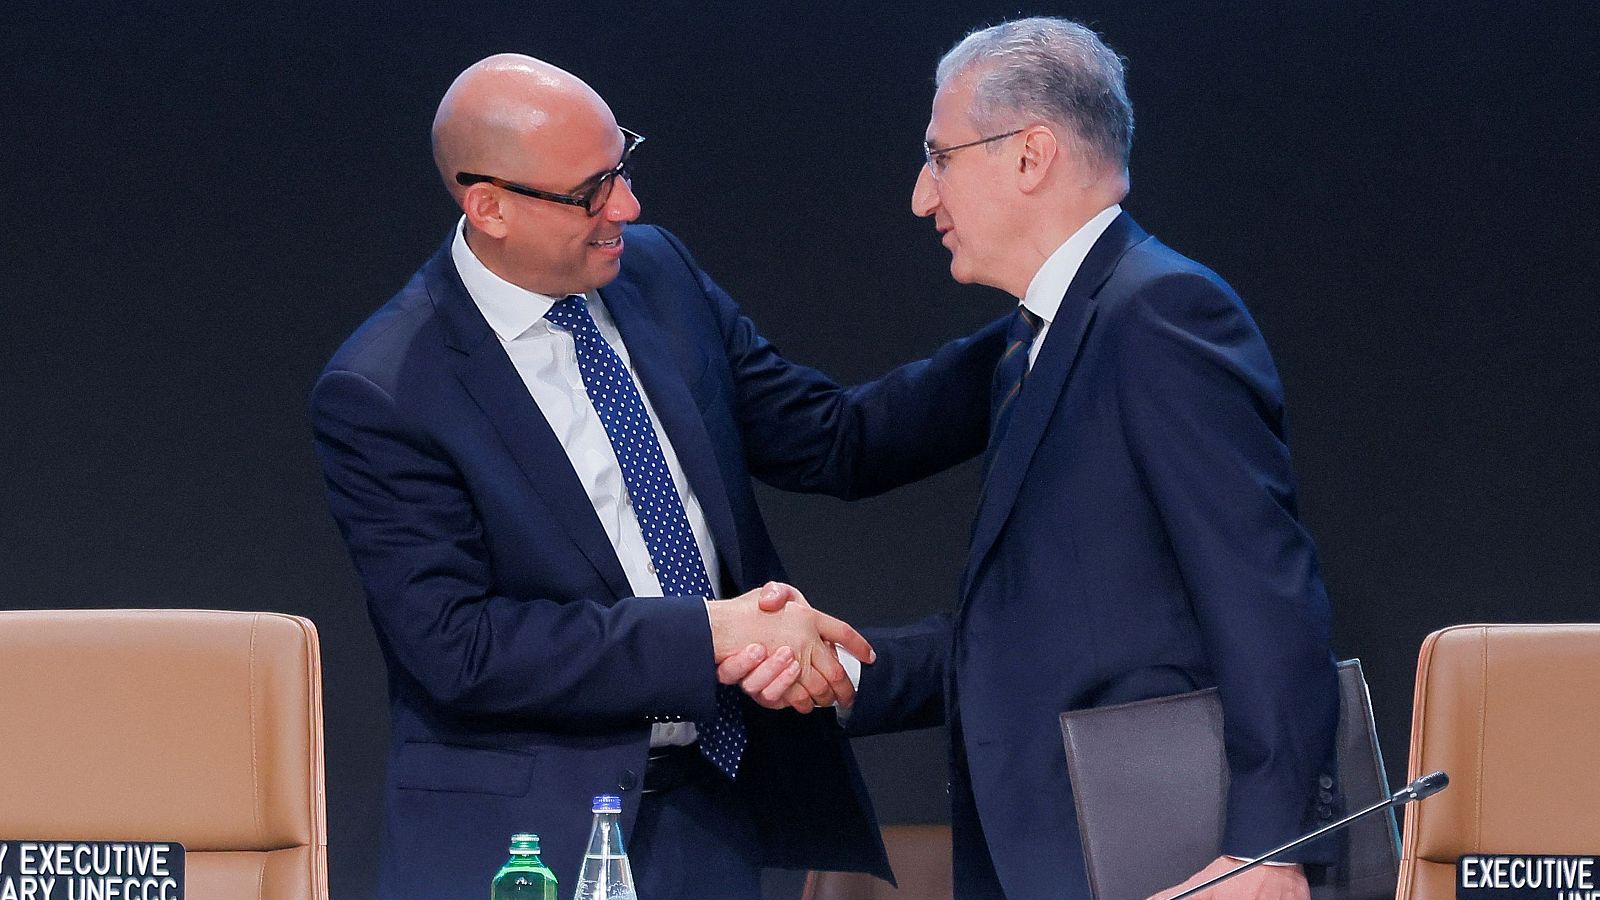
(539, 453)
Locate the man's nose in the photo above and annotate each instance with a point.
(924, 196)
(623, 205)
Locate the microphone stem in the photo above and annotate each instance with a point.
(1398, 799)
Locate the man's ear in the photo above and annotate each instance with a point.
(482, 206)
(1040, 150)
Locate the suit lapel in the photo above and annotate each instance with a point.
(489, 377)
(1042, 391)
(664, 383)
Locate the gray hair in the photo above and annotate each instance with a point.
(1049, 69)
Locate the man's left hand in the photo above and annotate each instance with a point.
(1260, 883)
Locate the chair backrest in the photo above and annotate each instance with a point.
(1150, 783)
(920, 857)
(920, 854)
(191, 726)
(1368, 866)
(1512, 714)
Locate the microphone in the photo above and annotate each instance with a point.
(1426, 786)
(1423, 787)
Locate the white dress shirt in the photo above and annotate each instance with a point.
(545, 357)
(1050, 283)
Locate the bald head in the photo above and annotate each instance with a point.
(505, 116)
(539, 135)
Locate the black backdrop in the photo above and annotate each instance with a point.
(202, 199)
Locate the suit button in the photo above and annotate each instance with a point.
(1323, 812)
(629, 780)
(1324, 798)
(1325, 782)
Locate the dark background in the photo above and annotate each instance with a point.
(202, 200)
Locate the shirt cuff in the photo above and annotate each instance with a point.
(852, 666)
(852, 670)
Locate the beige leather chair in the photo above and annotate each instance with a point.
(1512, 714)
(920, 857)
(194, 726)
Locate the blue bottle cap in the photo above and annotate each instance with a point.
(610, 803)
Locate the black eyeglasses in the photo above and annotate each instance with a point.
(592, 197)
(933, 157)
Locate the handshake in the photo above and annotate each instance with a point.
(782, 652)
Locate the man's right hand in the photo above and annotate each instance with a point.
(777, 618)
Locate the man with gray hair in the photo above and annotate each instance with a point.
(1137, 534)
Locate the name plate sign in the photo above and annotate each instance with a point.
(1525, 877)
(90, 870)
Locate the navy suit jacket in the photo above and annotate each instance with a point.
(1136, 537)
(522, 673)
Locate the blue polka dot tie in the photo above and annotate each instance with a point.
(656, 503)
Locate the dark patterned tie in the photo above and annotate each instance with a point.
(1011, 372)
(656, 503)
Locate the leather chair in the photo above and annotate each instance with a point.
(920, 856)
(1370, 854)
(191, 726)
(1512, 714)
(1149, 780)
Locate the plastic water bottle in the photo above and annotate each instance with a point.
(524, 876)
(606, 874)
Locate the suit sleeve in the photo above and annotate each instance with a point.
(803, 432)
(419, 549)
(904, 689)
(1202, 411)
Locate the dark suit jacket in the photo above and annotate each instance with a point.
(1136, 537)
(521, 671)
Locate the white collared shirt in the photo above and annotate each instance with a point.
(545, 357)
(1050, 283)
